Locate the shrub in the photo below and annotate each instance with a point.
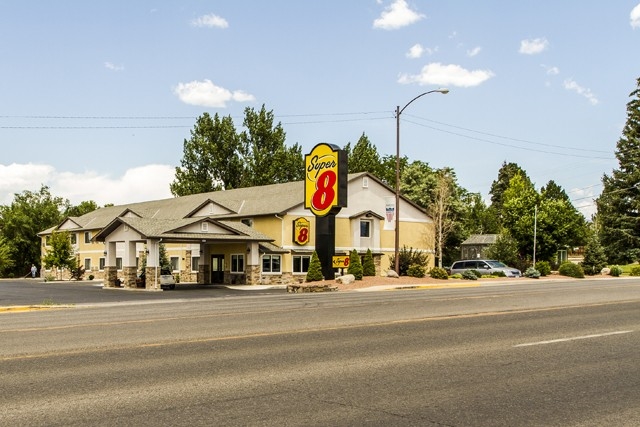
(615, 271)
(315, 269)
(543, 267)
(417, 270)
(635, 271)
(532, 273)
(438, 273)
(49, 277)
(570, 269)
(91, 277)
(409, 257)
(355, 266)
(477, 273)
(368, 266)
(499, 274)
(456, 276)
(77, 273)
(469, 275)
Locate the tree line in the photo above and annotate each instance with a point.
(217, 157)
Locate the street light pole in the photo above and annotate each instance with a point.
(397, 209)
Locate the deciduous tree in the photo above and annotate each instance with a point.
(60, 253)
(212, 158)
(20, 222)
(268, 159)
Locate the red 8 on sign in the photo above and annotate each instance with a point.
(303, 236)
(346, 262)
(325, 194)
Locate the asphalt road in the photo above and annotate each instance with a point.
(547, 354)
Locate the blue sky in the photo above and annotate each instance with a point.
(96, 98)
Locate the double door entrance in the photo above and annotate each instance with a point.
(217, 268)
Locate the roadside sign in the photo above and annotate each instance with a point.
(340, 261)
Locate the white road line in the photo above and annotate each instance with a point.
(573, 338)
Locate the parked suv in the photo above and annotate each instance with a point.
(484, 266)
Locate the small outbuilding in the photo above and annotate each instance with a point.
(477, 245)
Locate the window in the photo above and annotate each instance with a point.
(195, 262)
(365, 228)
(74, 238)
(47, 240)
(102, 262)
(204, 226)
(118, 263)
(87, 264)
(87, 237)
(301, 263)
(271, 263)
(237, 263)
(175, 263)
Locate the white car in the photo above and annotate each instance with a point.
(167, 281)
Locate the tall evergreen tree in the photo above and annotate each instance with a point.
(619, 203)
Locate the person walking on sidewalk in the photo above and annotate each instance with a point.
(34, 271)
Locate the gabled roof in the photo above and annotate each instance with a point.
(274, 199)
(167, 230)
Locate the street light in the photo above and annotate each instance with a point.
(398, 113)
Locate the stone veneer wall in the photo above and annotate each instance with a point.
(150, 277)
(129, 275)
(110, 276)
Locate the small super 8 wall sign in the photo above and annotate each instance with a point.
(325, 179)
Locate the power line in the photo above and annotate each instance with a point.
(510, 138)
(508, 145)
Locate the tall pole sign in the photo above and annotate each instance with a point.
(325, 193)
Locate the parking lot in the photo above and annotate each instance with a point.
(20, 292)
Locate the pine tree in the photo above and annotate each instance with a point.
(594, 257)
(368, 266)
(314, 273)
(619, 203)
(355, 266)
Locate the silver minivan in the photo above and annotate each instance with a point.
(484, 266)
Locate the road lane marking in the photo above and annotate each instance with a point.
(584, 337)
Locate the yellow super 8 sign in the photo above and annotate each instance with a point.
(325, 180)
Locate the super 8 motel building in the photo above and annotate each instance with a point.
(255, 235)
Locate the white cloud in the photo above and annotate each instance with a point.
(113, 67)
(533, 46)
(635, 17)
(473, 52)
(397, 15)
(446, 75)
(207, 94)
(210, 21)
(570, 84)
(415, 52)
(551, 71)
(142, 183)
